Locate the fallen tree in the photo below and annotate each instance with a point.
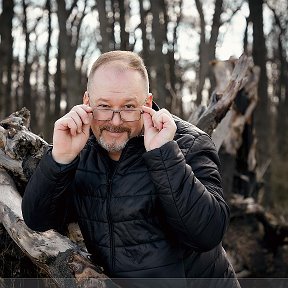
(257, 239)
(57, 255)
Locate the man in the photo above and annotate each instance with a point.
(145, 185)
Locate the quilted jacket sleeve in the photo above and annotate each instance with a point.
(46, 198)
(190, 191)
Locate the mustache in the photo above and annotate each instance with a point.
(115, 129)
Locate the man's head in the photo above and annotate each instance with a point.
(118, 80)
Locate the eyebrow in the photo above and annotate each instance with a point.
(126, 99)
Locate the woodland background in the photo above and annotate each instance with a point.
(47, 47)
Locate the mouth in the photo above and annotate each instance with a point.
(115, 131)
(114, 134)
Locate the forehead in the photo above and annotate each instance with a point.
(111, 80)
(116, 71)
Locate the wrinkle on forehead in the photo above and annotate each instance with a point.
(115, 70)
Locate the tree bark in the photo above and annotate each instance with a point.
(259, 52)
(6, 56)
(48, 110)
(58, 83)
(124, 36)
(27, 95)
(222, 100)
(105, 27)
(281, 89)
(237, 153)
(145, 42)
(207, 48)
(60, 258)
(20, 153)
(68, 44)
(160, 60)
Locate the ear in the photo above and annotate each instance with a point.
(149, 100)
(86, 98)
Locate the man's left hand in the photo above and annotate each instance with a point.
(159, 127)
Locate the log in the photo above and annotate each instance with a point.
(229, 134)
(256, 241)
(20, 149)
(233, 140)
(57, 255)
(221, 100)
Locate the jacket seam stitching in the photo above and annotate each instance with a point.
(141, 243)
(173, 196)
(150, 268)
(196, 138)
(132, 245)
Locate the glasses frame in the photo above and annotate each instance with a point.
(119, 111)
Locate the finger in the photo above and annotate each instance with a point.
(86, 127)
(158, 119)
(65, 123)
(82, 111)
(161, 112)
(73, 127)
(148, 110)
(147, 120)
(77, 119)
(162, 119)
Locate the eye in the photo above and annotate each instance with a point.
(129, 106)
(103, 106)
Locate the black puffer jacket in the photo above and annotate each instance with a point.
(159, 214)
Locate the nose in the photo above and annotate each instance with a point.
(116, 119)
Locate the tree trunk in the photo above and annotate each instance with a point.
(282, 91)
(105, 27)
(18, 99)
(6, 56)
(72, 75)
(262, 115)
(27, 95)
(145, 42)
(221, 102)
(124, 36)
(207, 48)
(48, 110)
(160, 61)
(58, 83)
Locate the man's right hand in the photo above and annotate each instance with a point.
(71, 133)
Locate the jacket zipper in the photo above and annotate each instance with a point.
(112, 249)
(109, 218)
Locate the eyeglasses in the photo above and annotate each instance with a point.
(127, 115)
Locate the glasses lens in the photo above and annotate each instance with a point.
(130, 115)
(102, 114)
(107, 115)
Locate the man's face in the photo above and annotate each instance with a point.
(116, 88)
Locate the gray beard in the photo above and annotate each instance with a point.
(112, 147)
